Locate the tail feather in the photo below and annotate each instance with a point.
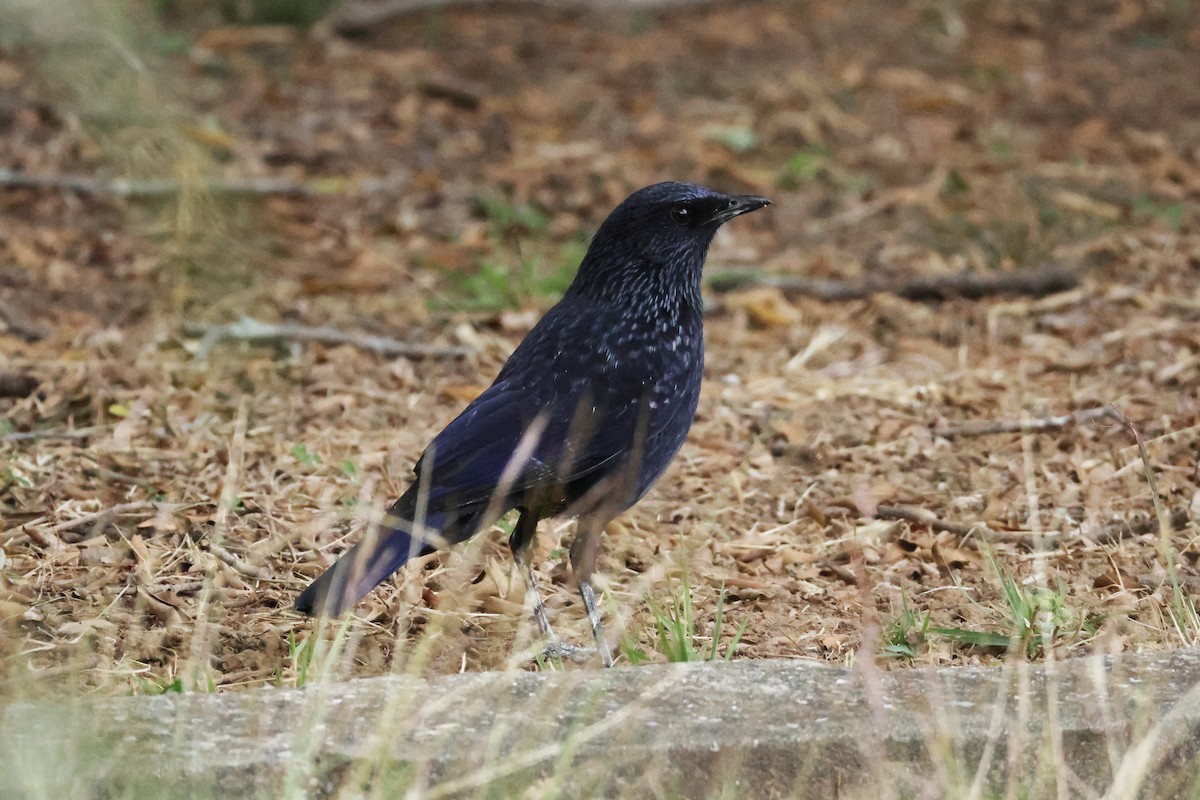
(368, 563)
(357, 572)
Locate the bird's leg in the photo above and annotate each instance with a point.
(519, 541)
(584, 550)
(539, 606)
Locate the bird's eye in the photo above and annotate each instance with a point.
(682, 214)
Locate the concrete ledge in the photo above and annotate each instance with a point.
(1126, 726)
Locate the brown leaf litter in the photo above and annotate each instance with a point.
(850, 459)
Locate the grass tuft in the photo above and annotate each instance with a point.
(676, 631)
(905, 635)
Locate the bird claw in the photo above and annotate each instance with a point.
(564, 651)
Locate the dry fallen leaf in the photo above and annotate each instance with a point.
(767, 307)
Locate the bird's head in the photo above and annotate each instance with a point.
(662, 231)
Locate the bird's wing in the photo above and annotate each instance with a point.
(505, 433)
(565, 391)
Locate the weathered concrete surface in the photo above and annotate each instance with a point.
(1128, 726)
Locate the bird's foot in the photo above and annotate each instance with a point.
(568, 652)
(565, 651)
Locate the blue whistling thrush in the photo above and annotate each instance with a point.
(584, 416)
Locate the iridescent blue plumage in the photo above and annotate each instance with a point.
(584, 416)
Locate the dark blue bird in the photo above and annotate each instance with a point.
(584, 416)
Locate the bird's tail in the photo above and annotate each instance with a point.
(363, 567)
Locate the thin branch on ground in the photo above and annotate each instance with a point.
(237, 564)
(147, 189)
(1037, 424)
(29, 529)
(967, 285)
(358, 17)
(48, 537)
(16, 532)
(51, 433)
(252, 330)
(106, 515)
(924, 516)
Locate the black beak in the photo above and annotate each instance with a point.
(738, 204)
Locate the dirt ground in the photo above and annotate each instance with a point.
(163, 501)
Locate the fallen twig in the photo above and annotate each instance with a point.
(238, 565)
(48, 538)
(826, 290)
(18, 531)
(989, 427)
(110, 513)
(51, 433)
(968, 285)
(47, 541)
(924, 516)
(358, 17)
(251, 330)
(147, 189)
